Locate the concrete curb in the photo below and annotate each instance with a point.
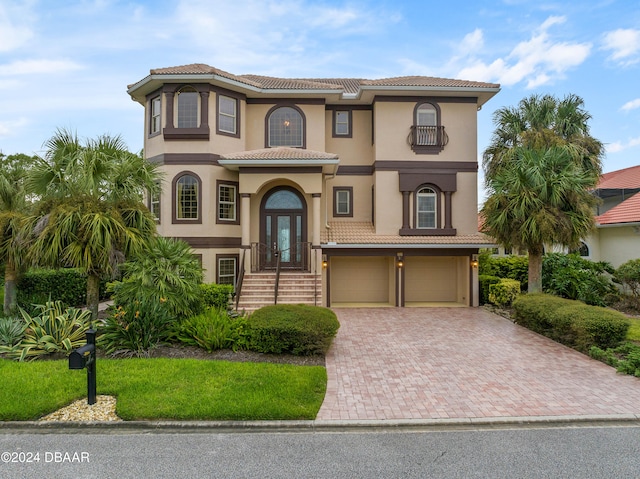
(319, 426)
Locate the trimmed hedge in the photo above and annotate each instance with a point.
(504, 292)
(569, 322)
(485, 281)
(68, 285)
(292, 328)
(216, 295)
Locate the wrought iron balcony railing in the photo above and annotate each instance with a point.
(427, 139)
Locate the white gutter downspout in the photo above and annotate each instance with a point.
(326, 200)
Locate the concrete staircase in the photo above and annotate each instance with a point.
(294, 288)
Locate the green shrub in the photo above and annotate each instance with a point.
(625, 358)
(570, 322)
(512, 267)
(135, 328)
(485, 281)
(216, 295)
(166, 272)
(53, 329)
(573, 277)
(535, 311)
(296, 329)
(628, 274)
(213, 330)
(504, 292)
(594, 326)
(67, 285)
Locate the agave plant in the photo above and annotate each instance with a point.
(52, 329)
(11, 333)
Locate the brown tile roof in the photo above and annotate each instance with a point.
(280, 153)
(626, 212)
(422, 81)
(620, 179)
(201, 69)
(353, 233)
(272, 83)
(348, 85)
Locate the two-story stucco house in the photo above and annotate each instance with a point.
(367, 186)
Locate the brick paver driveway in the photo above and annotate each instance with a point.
(424, 363)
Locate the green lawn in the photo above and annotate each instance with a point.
(183, 389)
(634, 330)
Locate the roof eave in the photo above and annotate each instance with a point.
(234, 165)
(332, 245)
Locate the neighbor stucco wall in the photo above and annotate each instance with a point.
(619, 244)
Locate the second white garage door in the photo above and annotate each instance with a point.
(360, 279)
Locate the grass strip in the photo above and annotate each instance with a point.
(634, 331)
(161, 388)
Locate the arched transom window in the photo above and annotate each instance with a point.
(286, 128)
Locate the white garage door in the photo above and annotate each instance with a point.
(360, 279)
(430, 279)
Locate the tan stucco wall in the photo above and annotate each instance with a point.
(464, 204)
(388, 202)
(393, 121)
(357, 150)
(361, 197)
(208, 174)
(255, 125)
(219, 144)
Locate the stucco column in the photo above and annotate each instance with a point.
(405, 210)
(245, 225)
(315, 239)
(447, 210)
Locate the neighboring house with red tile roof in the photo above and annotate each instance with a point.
(367, 186)
(617, 237)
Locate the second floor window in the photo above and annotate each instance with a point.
(427, 122)
(426, 208)
(154, 120)
(188, 108)
(227, 114)
(285, 128)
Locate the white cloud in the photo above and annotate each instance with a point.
(624, 44)
(14, 29)
(32, 67)
(8, 128)
(619, 146)
(537, 61)
(272, 37)
(631, 105)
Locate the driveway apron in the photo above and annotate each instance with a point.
(430, 363)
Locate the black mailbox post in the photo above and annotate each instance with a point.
(85, 357)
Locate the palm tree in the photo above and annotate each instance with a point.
(13, 240)
(539, 170)
(90, 214)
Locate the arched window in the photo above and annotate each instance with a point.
(426, 208)
(188, 99)
(427, 125)
(285, 127)
(187, 198)
(583, 250)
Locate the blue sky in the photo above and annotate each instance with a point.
(68, 64)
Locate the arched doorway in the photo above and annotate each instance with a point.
(283, 228)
